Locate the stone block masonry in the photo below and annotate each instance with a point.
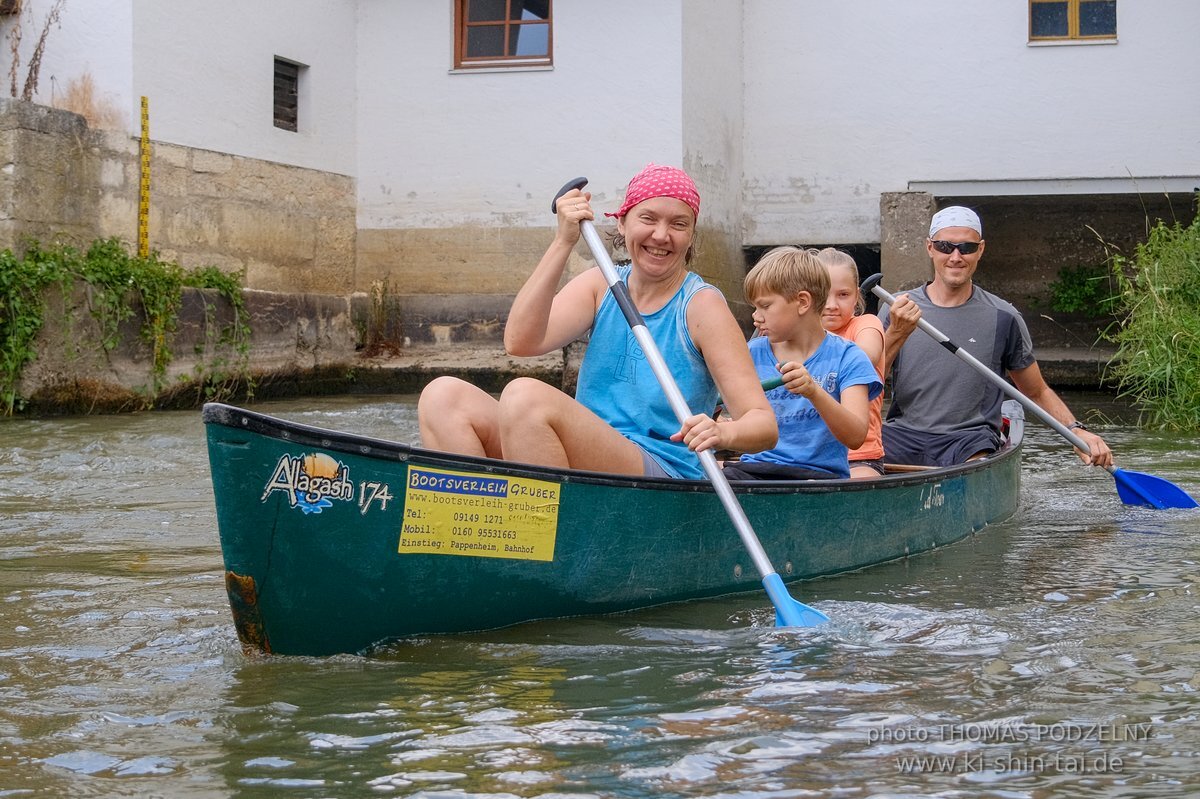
(280, 227)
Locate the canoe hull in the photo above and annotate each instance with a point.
(333, 542)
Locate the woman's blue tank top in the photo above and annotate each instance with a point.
(618, 385)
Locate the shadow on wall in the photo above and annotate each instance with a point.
(1031, 239)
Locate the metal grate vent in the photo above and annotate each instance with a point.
(287, 86)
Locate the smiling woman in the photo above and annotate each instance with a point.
(618, 422)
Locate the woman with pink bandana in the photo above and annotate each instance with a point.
(619, 422)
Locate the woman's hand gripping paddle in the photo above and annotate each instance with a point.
(1134, 488)
(788, 612)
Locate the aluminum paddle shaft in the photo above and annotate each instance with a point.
(1134, 488)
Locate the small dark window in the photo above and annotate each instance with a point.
(1072, 19)
(287, 94)
(502, 33)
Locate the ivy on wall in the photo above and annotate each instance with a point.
(118, 286)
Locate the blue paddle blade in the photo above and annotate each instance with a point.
(789, 612)
(1136, 488)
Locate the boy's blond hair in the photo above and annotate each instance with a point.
(835, 258)
(787, 271)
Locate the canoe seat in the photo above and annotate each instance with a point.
(906, 467)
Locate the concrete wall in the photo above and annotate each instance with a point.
(49, 182)
(713, 119)
(283, 228)
(301, 345)
(291, 333)
(904, 223)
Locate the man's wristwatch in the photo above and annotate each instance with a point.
(1077, 425)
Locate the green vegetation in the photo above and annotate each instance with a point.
(1158, 340)
(218, 375)
(117, 286)
(1088, 289)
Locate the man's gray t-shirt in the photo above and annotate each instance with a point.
(933, 390)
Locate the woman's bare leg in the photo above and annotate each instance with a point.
(540, 424)
(458, 417)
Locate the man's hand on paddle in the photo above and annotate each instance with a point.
(1099, 455)
(904, 315)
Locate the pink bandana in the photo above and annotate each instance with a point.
(660, 181)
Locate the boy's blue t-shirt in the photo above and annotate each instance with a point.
(804, 438)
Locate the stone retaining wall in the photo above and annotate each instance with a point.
(301, 344)
(282, 228)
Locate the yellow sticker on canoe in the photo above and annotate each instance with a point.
(463, 513)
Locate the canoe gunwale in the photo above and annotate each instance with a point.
(216, 413)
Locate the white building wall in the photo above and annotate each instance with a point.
(439, 148)
(92, 39)
(848, 100)
(712, 103)
(208, 71)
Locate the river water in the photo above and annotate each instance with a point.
(1052, 655)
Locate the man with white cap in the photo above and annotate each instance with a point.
(942, 411)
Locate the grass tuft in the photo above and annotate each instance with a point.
(1158, 340)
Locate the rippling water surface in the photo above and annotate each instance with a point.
(1052, 655)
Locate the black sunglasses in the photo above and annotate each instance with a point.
(947, 247)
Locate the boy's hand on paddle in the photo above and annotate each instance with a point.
(797, 380)
(701, 432)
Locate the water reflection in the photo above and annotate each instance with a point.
(1052, 655)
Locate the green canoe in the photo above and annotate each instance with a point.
(334, 542)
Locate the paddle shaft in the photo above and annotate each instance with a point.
(767, 385)
(678, 404)
(788, 611)
(1134, 488)
(1003, 384)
